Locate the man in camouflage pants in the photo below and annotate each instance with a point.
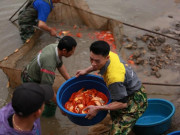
(129, 100)
(35, 13)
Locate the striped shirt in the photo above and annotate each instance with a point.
(42, 68)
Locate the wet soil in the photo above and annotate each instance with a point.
(153, 53)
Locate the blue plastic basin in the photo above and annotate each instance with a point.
(156, 119)
(174, 133)
(73, 85)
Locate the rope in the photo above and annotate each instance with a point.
(161, 84)
(17, 11)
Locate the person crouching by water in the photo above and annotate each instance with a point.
(35, 13)
(129, 100)
(42, 68)
(21, 116)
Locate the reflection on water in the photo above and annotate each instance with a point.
(9, 40)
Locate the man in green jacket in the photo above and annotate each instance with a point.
(42, 68)
(129, 100)
(35, 13)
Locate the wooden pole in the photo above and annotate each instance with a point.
(160, 84)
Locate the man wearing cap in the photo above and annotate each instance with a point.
(21, 116)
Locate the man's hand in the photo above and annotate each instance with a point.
(92, 111)
(80, 72)
(44, 26)
(84, 71)
(53, 32)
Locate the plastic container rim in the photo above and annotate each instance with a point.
(163, 120)
(172, 133)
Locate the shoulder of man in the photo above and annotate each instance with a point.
(40, 4)
(5, 112)
(50, 46)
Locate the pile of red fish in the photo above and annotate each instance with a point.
(81, 99)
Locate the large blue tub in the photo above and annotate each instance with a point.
(174, 133)
(73, 85)
(156, 119)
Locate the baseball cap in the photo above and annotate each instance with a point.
(29, 97)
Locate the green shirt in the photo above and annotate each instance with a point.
(42, 68)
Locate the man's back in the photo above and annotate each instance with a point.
(43, 66)
(6, 119)
(43, 7)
